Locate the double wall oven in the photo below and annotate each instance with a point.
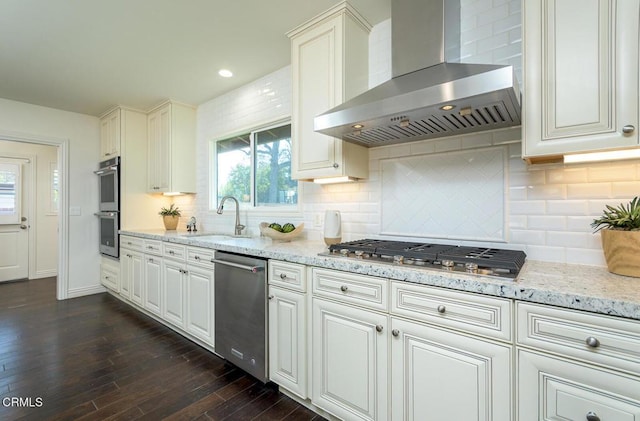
(109, 206)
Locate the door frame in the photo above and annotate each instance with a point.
(62, 287)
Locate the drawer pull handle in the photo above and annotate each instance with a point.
(196, 257)
(441, 309)
(378, 328)
(271, 297)
(283, 276)
(395, 332)
(592, 342)
(592, 416)
(344, 288)
(171, 252)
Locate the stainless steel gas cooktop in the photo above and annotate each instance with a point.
(477, 260)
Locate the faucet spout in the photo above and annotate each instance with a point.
(239, 227)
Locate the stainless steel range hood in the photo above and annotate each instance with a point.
(426, 98)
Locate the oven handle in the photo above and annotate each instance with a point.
(108, 213)
(253, 269)
(108, 169)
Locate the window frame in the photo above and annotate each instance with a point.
(251, 207)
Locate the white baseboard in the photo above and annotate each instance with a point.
(45, 274)
(80, 292)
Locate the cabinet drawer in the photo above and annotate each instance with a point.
(200, 256)
(110, 276)
(132, 243)
(478, 314)
(287, 275)
(594, 338)
(153, 247)
(174, 251)
(357, 289)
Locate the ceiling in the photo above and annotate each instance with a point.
(89, 55)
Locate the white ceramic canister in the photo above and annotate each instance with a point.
(332, 227)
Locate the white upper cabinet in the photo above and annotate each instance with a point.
(329, 63)
(110, 134)
(581, 76)
(172, 148)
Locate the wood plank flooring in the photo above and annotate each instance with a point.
(95, 358)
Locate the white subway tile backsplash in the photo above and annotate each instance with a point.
(547, 209)
(588, 190)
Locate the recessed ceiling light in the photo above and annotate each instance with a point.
(225, 73)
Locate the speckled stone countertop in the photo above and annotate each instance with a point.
(580, 287)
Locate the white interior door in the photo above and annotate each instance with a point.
(14, 232)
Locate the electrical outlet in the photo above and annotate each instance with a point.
(317, 220)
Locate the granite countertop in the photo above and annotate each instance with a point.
(590, 288)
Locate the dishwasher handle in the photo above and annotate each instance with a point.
(253, 269)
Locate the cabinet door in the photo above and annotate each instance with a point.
(159, 162)
(152, 284)
(288, 340)
(350, 361)
(200, 303)
(110, 278)
(317, 79)
(551, 388)
(444, 375)
(110, 135)
(173, 296)
(125, 274)
(581, 75)
(137, 277)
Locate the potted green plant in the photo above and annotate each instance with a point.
(620, 231)
(170, 217)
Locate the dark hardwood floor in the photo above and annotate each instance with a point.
(95, 358)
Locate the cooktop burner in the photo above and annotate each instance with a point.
(478, 260)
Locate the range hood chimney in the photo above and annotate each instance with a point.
(427, 97)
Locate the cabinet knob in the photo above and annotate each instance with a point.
(441, 309)
(592, 416)
(271, 297)
(335, 165)
(592, 342)
(629, 128)
(283, 276)
(171, 252)
(379, 328)
(344, 288)
(395, 332)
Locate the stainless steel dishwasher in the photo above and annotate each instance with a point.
(241, 312)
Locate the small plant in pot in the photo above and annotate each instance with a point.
(620, 230)
(170, 217)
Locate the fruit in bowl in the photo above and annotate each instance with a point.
(276, 231)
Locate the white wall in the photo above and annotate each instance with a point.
(44, 223)
(83, 133)
(547, 208)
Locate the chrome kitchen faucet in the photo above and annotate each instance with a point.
(239, 227)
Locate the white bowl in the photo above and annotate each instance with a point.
(277, 235)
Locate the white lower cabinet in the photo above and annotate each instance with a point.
(575, 365)
(174, 274)
(439, 374)
(131, 275)
(152, 295)
(349, 361)
(110, 273)
(200, 302)
(554, 388)
(287, 340)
